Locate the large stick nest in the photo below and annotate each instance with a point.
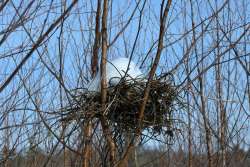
(123, 104)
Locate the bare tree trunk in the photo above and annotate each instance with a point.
(136, 158)
(61, 64)
(202, 95)
(190, 156)
(190, 163)
(221, 111)
(206, 124)
(208, 142)
(94, 60)
(94, 69)
(220, 106)
(203, 106)
(103, 119)
(87, 145)
(6, 148)
(205, 119)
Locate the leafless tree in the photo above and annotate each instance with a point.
(50, 51)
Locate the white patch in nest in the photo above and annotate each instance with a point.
(115, 71)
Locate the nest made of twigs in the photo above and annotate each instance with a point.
(127, 100)
(123, 105)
